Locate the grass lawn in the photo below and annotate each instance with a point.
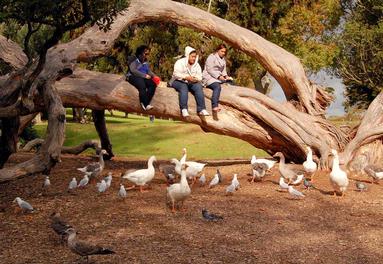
(136, 137)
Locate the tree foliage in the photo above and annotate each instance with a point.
(360, 63)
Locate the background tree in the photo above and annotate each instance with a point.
(360, 62)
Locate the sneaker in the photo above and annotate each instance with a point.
(204, 113)
(143, 107)
(149, 107)
(185, 112)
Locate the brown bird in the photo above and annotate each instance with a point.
(59, 225)
(83, 248)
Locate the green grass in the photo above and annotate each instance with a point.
(136, 137)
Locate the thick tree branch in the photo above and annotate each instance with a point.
(12, 53)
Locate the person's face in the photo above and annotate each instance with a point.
(222, 52)
(145, 55)
(192, 58)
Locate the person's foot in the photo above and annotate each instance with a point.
(204, 113)
(143, 107)
(216, 109)
(149, 107)
(184, 112)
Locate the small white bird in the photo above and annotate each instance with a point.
(230, 189)
(282, 184)
(295, 193)
(298, 179)
(72, 184)
(84, 181)
(214, 181)
(122, 192)
(102, 186)
(202, 179)
(25, 206)
(47, 182)
(108, 179)
(235, 181)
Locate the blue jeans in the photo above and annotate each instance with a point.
(216, 87)
(183, 90)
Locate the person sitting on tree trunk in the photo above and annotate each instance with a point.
(187, 75)
(214, 74)
(141, 77)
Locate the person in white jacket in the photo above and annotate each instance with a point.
(187, 75)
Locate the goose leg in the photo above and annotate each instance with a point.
(173, 207)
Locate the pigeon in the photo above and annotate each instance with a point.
(101, 186)
(214, 181)
(295, 193)
(308, 184)
(108, 179)
(230, 189)
(25, 206)
(95, 168)
(360, 186)
(259, 171)
(235, 181)
(47, 182)
(219, 176)
(84, 181)
(83, 248)
(59, 225)
(298, 179)
(202, 179)
(72, 184)
(122, 192)
(282, 184)
(211, 217)
(375, 172)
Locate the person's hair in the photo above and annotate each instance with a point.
(141, 49)
(194, 51)
(221, 46)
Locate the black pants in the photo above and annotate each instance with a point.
(146, 88)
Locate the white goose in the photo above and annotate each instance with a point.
(338, 177)
(309, 165)
(269, 163)
(178, 192)
(192, 170)
(143, 176)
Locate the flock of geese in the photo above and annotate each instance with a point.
(190, 172)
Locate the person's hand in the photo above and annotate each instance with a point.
(147, 76)
(189, 78)
(221, 78)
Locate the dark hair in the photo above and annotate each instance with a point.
(220, 46)
(194, 51)
(141, 49)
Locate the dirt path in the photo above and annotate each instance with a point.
(261, 225)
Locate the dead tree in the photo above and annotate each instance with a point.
(247, 114)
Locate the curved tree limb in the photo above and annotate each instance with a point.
(284, 66)
(246, 114)
(12, 53)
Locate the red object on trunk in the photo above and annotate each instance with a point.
(156, 80)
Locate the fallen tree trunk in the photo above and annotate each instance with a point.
(75, 150)
(247, 114)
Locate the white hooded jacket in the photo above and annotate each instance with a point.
(181, 69)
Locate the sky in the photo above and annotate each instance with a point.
(324, 79)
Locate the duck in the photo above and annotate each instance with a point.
(309, 165)
(287, 173)
(94, 169)
(192, 171)
(143, 176)
(269, 163)
(259, 171)
(178, 192)
(375, 172)
(338, 177)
